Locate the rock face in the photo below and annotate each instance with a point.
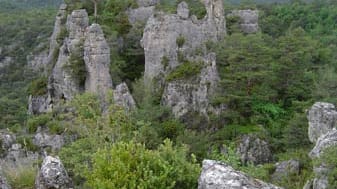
(254, 150)
(322, 118)
(249, 20)
(38, 62)
(44, 140)
(170, 40)
(194, 95)
(322, 122)
(62, 84)
(285, 168)
(39, 104)
(59, 23)
(97, 62)
(52, 175)
(217, 175)
(123, 98)
(162, 30)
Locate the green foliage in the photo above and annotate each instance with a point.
(20, 176)
(185, 71)
(196, 7)
(38, 86)
(233, 24)
(180, 41)
(37, 121)
(76, 65)
(165, 61)
(135, 166)
(27, 143)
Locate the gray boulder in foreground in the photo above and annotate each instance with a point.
(52, 175)
(217, 175)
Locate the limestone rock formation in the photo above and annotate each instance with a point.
(52, 175)
(285, 168)
(7, 139)
(162, 30)
(249, 20)
(39, 104)
(254, 150)
(327, 140)
(217, 175)
(60, 21)
(97, 62)
(321, 171)
(123, 98)
(62, 84)
(142, 13)
(193, 95)
(43, 140)
(322, 118)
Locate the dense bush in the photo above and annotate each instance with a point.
(185, 71)
(131, 165)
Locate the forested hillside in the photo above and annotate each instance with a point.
(157, 104)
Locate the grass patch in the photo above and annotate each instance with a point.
(38, 87)
(185, 71)
(20, 176)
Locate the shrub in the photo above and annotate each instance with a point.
(34, 122)
(328, 158)
(165, 61)
(180, 41)
(184, 71)
(38, 86)
(130, 165)
(27, 143)
(76, 64)
(20, 176)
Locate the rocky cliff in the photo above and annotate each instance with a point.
(170, 43)
(322, 130)
(97, 62)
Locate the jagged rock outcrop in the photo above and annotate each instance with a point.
(248, 20)
(60, 21)
(321, 171)
(284, 169)
(217, 175)
(193, 95)
(52, 175)
(162, 30)
(142, 13)
(327, 140)
(97, 62)
(62, 83)
(322, 118)
(254, 150)
(39, 104)
(169, 40)
(123, 98)
(7, 139)
(322, 122)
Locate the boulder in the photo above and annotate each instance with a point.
(322, 118)
(123, 98)
(217, 175)
(254, 150)
(52, 175)
(285, 168)
(249, 20)
(97, 62)
(147, 3)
